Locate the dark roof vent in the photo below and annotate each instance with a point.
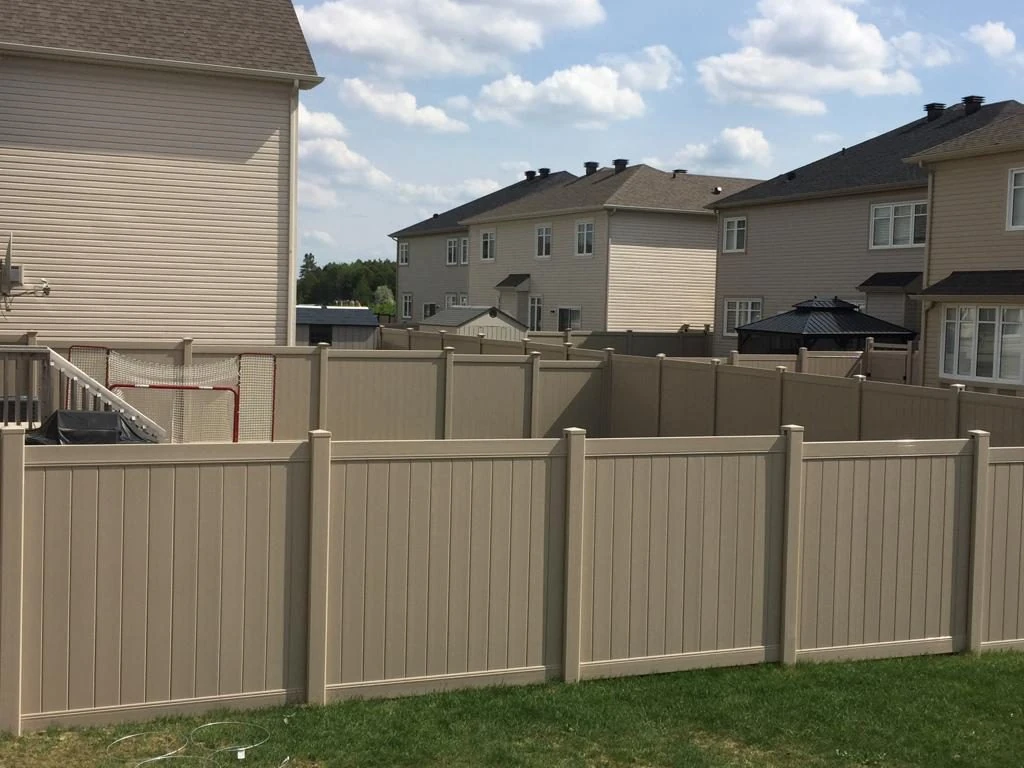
(972, 104)
(591, 167)
(791, 175)
(620, 164)
(531, 175)
(436, 215)
(544, 172)
(716, 190)
(934, 110)
(678, 172)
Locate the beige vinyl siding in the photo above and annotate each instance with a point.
(811, 248)
(427, 277)
(661, 271)
(895, 307)
(562, 280)
(156, 204)
(969, 233)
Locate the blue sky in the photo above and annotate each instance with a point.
(429, 103)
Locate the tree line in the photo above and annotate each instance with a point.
(370, 283)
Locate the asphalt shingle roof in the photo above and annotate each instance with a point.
(1005, 133)
(455, 317)
(890, 280)
(637, 186)
(826, 317)
(451, 220)
(877, 162)
(513, 281)
(262, 35)
(996, 282)
(335, 316)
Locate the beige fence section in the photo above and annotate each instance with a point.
(142, 580)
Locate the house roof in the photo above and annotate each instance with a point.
(637, 186)
(996, 282)
(252, 35)
(451, 220)
(825, 317)
(513, 281)
(891, 280)
(455, 317)
(335, 316)
(873, 164)
(1001, 135)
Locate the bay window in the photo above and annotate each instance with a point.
(899, 225)
(983, 342)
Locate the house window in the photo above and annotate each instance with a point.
(452, 257)
(1015, 204)
(570, 318)
(740, 312)
(463, 299)
(488, 245)
(734, 237)
(899, 225)
(464, 257)
(543, 241)
(403, 254)
(450, 300)
(429, 310)
(406, 306)
(536, 313)
(983, 342)
(584, 238)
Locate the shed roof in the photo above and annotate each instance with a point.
(455, 317)
(335, 316)
(252, 35)
(513, 281)
(825, 317)
(891, 280)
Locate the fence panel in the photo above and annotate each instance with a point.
(748, 401)
(159, 574)
(547, 351)
(885, 548)
(466, 345)
(895, 412)
(635, 394)
(571, 397)
(449, 566)
(576, 353)
(687, 398)
(667, 585)
(1001, 415)
(491, 399)
(498, 347)
(888, 365)
(394, 338)
(296, 394)
(425, 340)
(840, 364)
(827, 405)
(764, 362)
(1004, 548)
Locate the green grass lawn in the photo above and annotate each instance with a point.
(930, 711)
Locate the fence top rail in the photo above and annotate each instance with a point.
(571, 365)
(685, 446)
(1006, 455)
(879, 449)
(834, 355)
(384, 450)
(822, 380)
(740, 371)
(235, 349)
(165, 453)
(933, 393)
(385, 354)
(485, 359)
(24, 350)
(988, 398)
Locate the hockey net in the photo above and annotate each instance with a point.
(180, 397)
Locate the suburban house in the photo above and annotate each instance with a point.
(853, 225)
(973, 319)
(348, 327)
(469, 321)
(147, 167)
(621, 248)
(433, 255)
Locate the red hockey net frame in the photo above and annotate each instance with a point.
(180, 421)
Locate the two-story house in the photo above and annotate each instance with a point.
(148, 166)
(627, 247)
(853, 225)
(973, 319)
(433, 255)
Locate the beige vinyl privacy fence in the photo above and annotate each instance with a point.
(138, 581)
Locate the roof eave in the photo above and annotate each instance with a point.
(441, 231)
(959, 154)
(981, 298)
(487, 219)
(846, 192)
(305, 80)
(650, 209)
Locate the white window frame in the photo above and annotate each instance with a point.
(1011, 190)
(451, 300)
(892, 220)
(582, 224)
(570, 307)
(403, 254)
(464, 251)
(546, 231)
(749, 311)
(424, 308)
(451, 257)
(407, 305)
(538, 303)
(997, 348)
(736, 229)
(463, 299)
(488, 237)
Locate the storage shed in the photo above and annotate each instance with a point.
(345, 327)
(469, 321)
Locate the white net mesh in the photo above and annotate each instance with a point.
(189, 414)
(256, 397)
(122, 369)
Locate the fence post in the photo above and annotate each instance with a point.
(12, 575)
(629, 341)
(908, 375)
(661, 389)
(575, 469)
(480, 339)
(869, 347)
(791, 543)
(449, 392)
(609, 392)
(958, 389)
(535, 394)
(860, 379)
(567, 346)
(319, 564)
(781, 370)
(408, 338)
(440, 336)
(715, 362)
(801, 360)
(734, 358)
(979, 542)
(186, 351)
(32, 338)
(323, 371)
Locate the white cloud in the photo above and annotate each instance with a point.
(448, 195)
(916, 50)
(797, 51)
(732, 151)
(319, 236)
(430, 37)
(458, 103)
(994, 37)
(317, 124)
(348, 166)
(826, 137)
(400, 106)
(316, 192)
(587, 95)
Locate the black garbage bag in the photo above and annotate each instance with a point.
(87, 428)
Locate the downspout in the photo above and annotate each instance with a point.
(293, 198)
(922, 337)
(608, 266)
